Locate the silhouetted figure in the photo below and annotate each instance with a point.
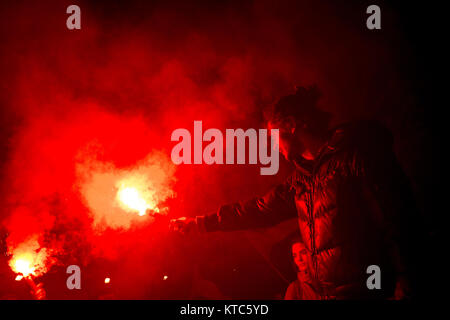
(351, 198)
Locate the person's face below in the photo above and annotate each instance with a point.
(300, 255)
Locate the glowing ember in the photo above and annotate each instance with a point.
(107, 280)
(19, 277)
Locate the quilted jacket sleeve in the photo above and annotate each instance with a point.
(277, 205)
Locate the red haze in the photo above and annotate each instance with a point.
(104, 98)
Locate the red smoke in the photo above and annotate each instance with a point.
(82, 109)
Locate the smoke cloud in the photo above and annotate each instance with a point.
(84, 109)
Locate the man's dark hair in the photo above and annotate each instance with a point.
(302, 106)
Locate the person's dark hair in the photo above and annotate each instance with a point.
(302, 106)
(294, 240)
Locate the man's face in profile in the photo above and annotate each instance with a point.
(287, 144)
(300, 255)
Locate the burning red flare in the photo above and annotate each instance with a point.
(29, 260)
(136, 198)
(117, 197)
(23, 266)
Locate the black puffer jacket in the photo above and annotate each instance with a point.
(350, 204)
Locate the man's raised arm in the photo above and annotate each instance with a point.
(277, 205)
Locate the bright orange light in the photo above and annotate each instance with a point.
(117, 198)
(107, 280)
(23, 266)
(136, 194)
(130, 197)
(28, 259)
(165, 277)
